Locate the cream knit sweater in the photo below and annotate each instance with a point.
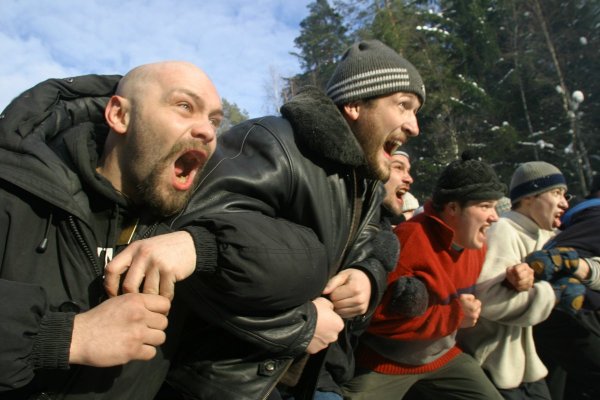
(502, 340)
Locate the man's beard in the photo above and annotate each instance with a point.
(161, 203)
(371, 147)
(159, 198)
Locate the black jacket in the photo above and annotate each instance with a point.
(570, 345)
(283, 205)
(580, 231)
(55, 213)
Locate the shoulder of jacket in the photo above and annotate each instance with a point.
(54, 105)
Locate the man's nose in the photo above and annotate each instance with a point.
(411, 126)
(204, 130)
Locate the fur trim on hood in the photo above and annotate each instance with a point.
(320, 126)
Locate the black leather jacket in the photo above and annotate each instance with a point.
(51, 202)
(283, 205)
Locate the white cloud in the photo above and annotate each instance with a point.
(237, 42)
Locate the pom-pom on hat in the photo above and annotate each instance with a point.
(409, 202)
(533, 178)
(467, 179)
(370, 69)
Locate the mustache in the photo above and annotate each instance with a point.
(183, 146)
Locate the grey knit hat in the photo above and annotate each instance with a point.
(535, 177)
(503, 205)
(398, 152)
(467, 179)
(370, 69)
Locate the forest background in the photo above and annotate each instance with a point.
(508, 80)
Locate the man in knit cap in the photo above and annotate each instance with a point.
(502, 341)
(574, 364)
(397, 187)
(288, 248)
(410, 342)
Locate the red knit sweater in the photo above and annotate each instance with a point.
(426, 253)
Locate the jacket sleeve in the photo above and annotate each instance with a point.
(260, 285)
(501, 303)
(257, 272)
(259, 264)
(32, 336)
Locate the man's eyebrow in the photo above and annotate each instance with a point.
(186, 92)
(217, 113)
(198, 99)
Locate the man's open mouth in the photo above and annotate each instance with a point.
(392, 145)
(186, 167)
(400, 193)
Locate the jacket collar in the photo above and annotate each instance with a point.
(444, 233)
(319, 125)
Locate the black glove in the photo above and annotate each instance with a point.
(409, 297)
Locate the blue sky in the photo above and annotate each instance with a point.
(242, 45)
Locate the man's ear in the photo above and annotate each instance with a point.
(352, 110)
(452, 208)
(117, 114)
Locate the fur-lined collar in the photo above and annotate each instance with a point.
(320, 126)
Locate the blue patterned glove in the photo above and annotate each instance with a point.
(570, 293)
(553, 263)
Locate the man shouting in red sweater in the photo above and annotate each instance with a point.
(411, 340)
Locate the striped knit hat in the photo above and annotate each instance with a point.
(533, 178)
(399, 152)
(370, 69)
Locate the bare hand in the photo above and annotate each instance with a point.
(520, 277)
(471, 309)
(583, 271)
(158, 262)
(329, 325)
(350, 292)
(119, 330)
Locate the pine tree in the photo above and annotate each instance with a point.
(232, 115)
(321, 43)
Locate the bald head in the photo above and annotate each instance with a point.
(163, 120)
(136, 82)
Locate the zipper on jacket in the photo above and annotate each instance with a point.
(276, 381)
(149, 231)
(86, 248)
(356, 207)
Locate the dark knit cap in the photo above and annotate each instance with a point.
(467, 179)
(370, 69)
(533, 178)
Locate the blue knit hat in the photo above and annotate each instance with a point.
(533, 178)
